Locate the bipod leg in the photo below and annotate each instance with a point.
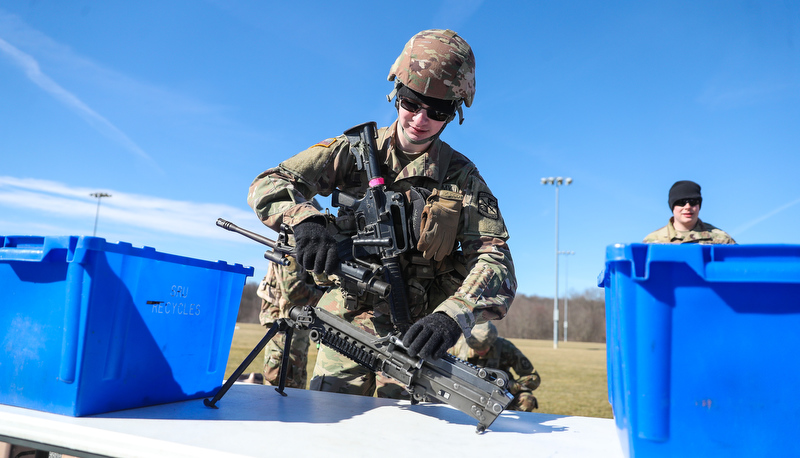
(287, 348)
(278, 325)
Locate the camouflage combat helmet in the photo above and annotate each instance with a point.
(483, 336)
(436, 63)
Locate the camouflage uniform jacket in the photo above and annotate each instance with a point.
(505, 356)
(488, 283)
(703, 233)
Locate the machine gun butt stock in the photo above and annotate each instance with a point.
(475, 391)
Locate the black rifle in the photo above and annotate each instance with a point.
(364, 275)
(479, 392)
(381, 222)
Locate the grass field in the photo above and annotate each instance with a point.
(573, 376)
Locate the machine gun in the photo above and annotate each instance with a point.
(382, 227)
(479, 392)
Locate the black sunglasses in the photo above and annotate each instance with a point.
(432, 114)
(693, 201)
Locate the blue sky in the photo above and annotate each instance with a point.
(173, 107)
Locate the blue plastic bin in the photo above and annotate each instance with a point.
(702, 345)
(91, 327)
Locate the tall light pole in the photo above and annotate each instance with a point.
(98, 195)
(557, 182)
(566, 292)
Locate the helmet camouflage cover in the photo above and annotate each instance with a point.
(437, 63)
(483, 336)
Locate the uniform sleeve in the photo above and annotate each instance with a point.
(513, 358)
(490, 284)
(283, 194)
(721, 237)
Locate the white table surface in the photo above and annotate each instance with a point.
(254, 421)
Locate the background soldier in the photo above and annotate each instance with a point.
(685, 225)
(282, 288)
(484, 348)
(459, 270)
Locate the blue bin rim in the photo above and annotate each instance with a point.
(766, 263)
(73, 248)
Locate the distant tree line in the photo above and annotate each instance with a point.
(530, 317)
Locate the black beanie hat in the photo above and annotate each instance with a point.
(684, 190)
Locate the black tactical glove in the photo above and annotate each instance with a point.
(432, 336)
(315, 247)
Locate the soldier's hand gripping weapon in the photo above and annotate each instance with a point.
(367, 277)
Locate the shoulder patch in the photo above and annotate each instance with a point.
(487, 205)
(326, 143)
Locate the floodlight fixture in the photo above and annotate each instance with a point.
(99, 196)
(557, 182)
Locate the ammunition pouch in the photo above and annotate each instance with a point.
(417, 198)
(439, 224)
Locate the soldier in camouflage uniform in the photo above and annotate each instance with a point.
(484, 348)
(282, 288)
(461, 271)
(685, 225)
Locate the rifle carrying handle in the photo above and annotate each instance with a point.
(366, 134)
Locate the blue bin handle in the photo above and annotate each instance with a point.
(28, 247)
(35, 248)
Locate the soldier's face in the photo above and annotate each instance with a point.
(686, 216)
(418, 126)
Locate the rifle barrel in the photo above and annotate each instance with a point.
(365, 277)
(227, 225)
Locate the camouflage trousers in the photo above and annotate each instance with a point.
(337, 373)
(526, 383)
(297, 374)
